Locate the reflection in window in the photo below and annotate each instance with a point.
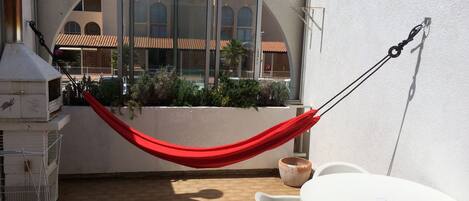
(158, 20)
(141, 18)
(92, 29)
(227, 23)
(92, 5)
(159, 59)
(79, 6)
(245, 24)
(72, 28)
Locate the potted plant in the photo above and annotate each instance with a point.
(294, 171)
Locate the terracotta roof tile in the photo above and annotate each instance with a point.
(109, 41)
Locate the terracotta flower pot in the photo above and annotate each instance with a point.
(294, 171)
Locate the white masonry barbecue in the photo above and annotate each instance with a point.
(29, 87)
(30, 118)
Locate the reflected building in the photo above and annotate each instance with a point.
(172, 34)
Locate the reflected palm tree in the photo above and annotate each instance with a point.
(233, 53)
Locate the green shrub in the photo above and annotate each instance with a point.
(109, 92)
(162, 89)
(185, 93)
(167, 89)
(238, 93)
(71, 94)
(273, 94)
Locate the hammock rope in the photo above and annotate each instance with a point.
(219, 156)
(393, 52)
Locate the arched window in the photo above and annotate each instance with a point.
(227, 23)
(72, 28)
(92, 29)
(245, 24)
(158, 20)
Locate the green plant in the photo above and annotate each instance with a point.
(185, 94)
(167, 89)
(273, 94)
(163, 89)
(72, 95)
(236, 93)
(233, 53)
(107, 92)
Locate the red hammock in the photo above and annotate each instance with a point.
(208, 157)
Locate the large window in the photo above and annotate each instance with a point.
(92, 29)
(238, 53)
(191, 36)
(200, 39)
(184, 36)
(245, 27)
(72, 28)
(227, 23)
(158, 20)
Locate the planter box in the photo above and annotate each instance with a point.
(91, 146)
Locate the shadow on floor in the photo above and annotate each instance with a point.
(184, 186)
(131, 190)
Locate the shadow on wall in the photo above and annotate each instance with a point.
(413, 86)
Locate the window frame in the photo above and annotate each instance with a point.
(91, 24)
(244, 29)
(227, 28)
(2, 28)
(70, 32)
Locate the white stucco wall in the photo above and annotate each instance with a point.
(52, 16)
(363, 129)
(91, 146)
(28, 34)
(292, 28)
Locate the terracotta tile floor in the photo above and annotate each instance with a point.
(158, 189)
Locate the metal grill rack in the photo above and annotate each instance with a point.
(27, 174)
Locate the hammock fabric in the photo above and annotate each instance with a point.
(208, 157)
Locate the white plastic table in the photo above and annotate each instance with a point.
(367, 187)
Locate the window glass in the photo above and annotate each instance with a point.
(72, 28)
(141, 18)
(238, 41)
(245, 17)
(158, 20)
(141, 14)
(79, 6)
(191, 35)
(92, 29)
(92, 5)
(159, 58)
(227, 23)
(245, 32)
